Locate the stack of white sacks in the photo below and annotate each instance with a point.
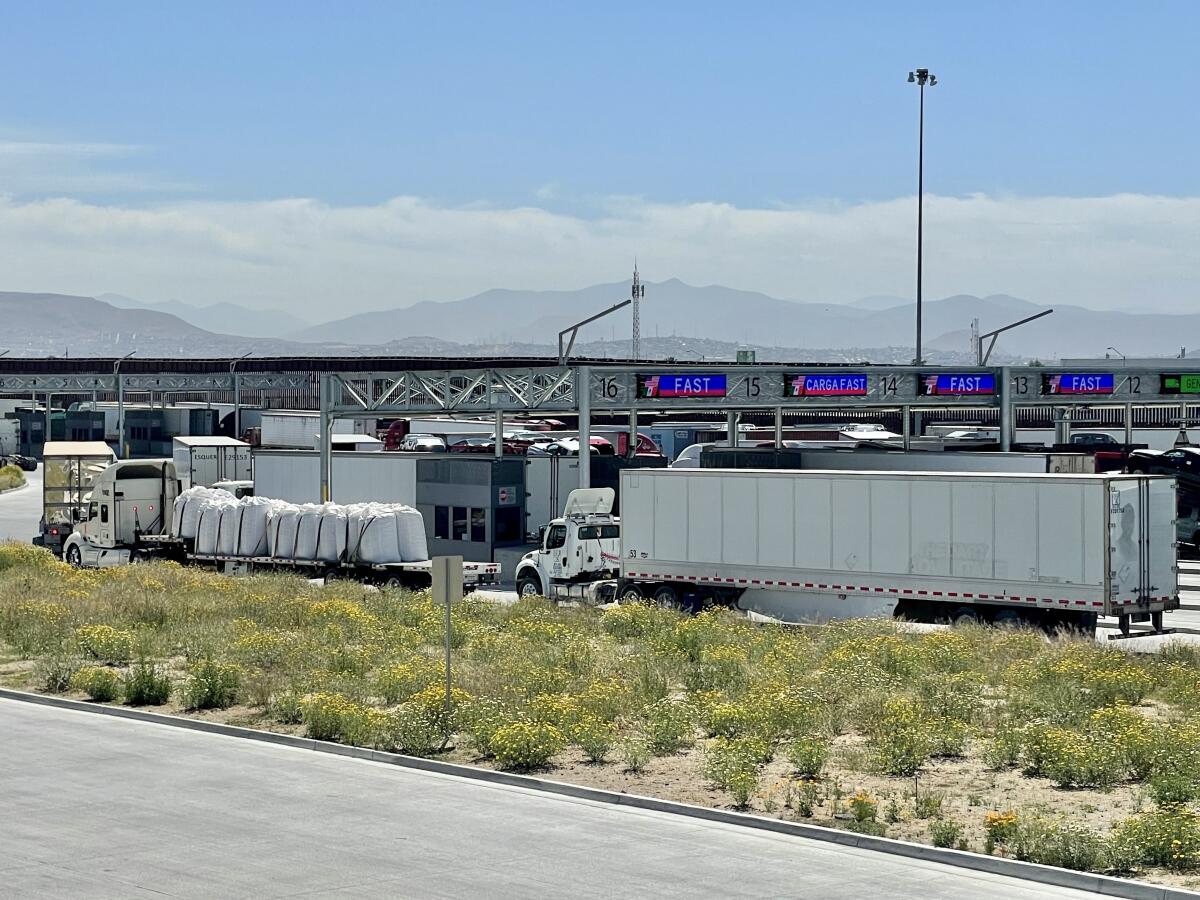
(370, 533)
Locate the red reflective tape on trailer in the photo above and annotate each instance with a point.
(808, 584)
(922, 593)
(951, 593)
(822, 586)
(879, 590)
(937, 593)
(1097, 603)
(893, 590)
(969, 595)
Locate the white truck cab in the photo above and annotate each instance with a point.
(129, 499)
(578, 551)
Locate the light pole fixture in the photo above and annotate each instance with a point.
(921, 77)
(1116, 351)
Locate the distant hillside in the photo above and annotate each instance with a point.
(222, 318)
(674, 308)
(57, 324)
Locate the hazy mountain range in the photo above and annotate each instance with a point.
(678, 320)
(220, 317)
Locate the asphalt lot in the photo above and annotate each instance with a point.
(100, 807)
(21, 509)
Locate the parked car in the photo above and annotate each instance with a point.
(472, 445)
(27, 463)
(1182, 462)
(422, 443)
(570, 447)
(1094, 439)
(1187, 525)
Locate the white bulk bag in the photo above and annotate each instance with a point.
(208, 529)
(256, 516)
(411, 531)
(281, 533)
(378, 537)
(189, 506)
(307, 529)
(229, 529)
(333, 533)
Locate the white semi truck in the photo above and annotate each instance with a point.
(126, 516)
(801, 546)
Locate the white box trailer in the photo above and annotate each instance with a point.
(801, 546)
(300, 430)
(205, 461)
(295, 476)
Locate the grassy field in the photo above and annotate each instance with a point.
(11, 477)
(1061, 751)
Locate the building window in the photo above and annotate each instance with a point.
(459, 524)
(441, 522)
(508, 527)
(479, 525)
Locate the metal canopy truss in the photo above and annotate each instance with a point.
(172, 382)
(554, 388)
(466, 391)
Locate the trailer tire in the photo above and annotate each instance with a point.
(666, 598)
(395, 582)
(74, 557)
(630, 593)
(1010, 618)
(965, 615)
(529, 585)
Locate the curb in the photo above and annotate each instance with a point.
(1099, 884)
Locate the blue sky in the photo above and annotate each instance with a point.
(574, 109)
(752, 104)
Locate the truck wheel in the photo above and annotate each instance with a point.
(965, 615)
(666, 598)
(630, 593)
(1009, 618)
(395, 582)
(529, 585)
(74, 557)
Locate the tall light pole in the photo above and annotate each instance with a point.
(921, 77)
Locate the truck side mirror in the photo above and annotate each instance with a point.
(542, 535)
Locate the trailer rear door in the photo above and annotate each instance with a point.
(1141, 540)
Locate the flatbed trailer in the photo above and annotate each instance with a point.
(414, 575)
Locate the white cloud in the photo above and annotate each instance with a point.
(1126, 251)
(65, 168)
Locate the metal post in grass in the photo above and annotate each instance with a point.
(447, 590)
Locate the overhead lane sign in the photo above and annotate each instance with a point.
(957, 384)
(687, 385)
(1078, 383)
(851, 384)
(1183, 383)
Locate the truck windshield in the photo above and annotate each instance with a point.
(67, 482)
(597, 532)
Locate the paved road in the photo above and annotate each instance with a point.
(99, 807)
(21, 509)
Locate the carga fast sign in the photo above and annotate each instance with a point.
(840, 385)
